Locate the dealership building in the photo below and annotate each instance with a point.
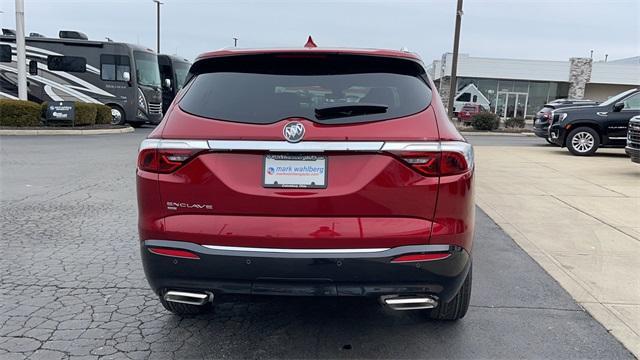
(512, 87)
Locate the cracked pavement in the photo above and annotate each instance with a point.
(72, 285)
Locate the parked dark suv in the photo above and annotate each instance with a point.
(633, 139)
(308, 172)
(584, 129)
(543, 119)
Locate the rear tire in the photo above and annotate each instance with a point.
(456, 308)
(185, 309)
(117, 115)
(583, 141)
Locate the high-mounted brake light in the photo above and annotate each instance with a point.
(310, 43)
(166, 156)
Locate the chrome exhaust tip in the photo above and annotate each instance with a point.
(400, 303)
(185, 297)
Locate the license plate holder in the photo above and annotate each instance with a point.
(294, 171)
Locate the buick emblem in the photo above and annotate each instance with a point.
(293, 132)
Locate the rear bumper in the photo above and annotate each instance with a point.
(541, 128)
(304, 272)
(634, 153)
(151, 118)
(541, 132)
(556, 135)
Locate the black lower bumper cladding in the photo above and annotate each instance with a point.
(238, 272)
(633, 152)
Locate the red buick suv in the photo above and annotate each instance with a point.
(308, 172)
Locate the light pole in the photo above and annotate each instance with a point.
(158, 3)
(235, 42)
(454, 65)
(21, 50)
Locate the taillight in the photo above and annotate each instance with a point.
(166, 156)
(426, 163)
(452, 163)
(437, 159)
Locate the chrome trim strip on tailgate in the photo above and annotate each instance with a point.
(303, 146)
(310, 146)
(297, 253)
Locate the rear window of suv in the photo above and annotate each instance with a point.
(326, 88)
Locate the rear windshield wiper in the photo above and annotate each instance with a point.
(346, 110)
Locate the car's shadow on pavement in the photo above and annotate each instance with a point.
(611, 155)
(272, 327)
(602, 153)
(516, 310)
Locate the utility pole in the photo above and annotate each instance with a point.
(454, 65)
(235, 42)
(21, 50)
(158, 3)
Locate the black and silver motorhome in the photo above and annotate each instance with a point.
(173, 73)
(71, 68)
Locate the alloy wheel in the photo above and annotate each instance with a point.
(582, 142)
(116, 117)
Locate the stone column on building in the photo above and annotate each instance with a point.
(444, 89)
(445, 81)
(579, 76)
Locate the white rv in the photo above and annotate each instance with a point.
(470, 95)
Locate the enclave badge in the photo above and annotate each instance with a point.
(172, 205)
(293, 131)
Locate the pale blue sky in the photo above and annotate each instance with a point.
(540, 29)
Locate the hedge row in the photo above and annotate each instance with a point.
(22, 113)
(19, 113)
(485, 121)
(103, 114)
(517, 122)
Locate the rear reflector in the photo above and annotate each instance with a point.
(420, 257)
(174, 253)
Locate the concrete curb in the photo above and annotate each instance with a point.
(478, 133)
(31, 132)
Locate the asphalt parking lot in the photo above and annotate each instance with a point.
(71, 283)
